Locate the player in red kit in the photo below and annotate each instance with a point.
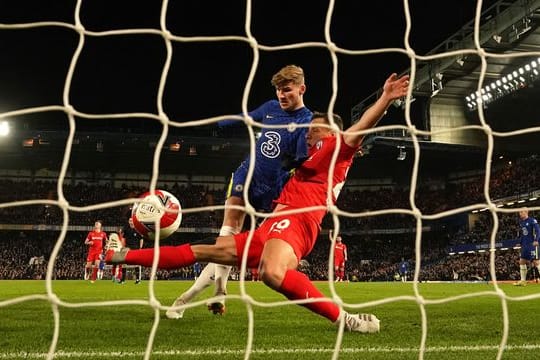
(255, 274)
(340, 257)
(95, 240)
(279, 243)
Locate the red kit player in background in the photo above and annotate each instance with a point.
(95, 240)
(340, 258)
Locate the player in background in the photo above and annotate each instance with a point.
(529, 236)
(277, 151)
(101, 267)
(534, 271)
(133, 240)
(403, 269)
(197, 270)
(340, 257)
(117, 240)
(282, 240)
(254, 274)
(455, 274)
(94, 240)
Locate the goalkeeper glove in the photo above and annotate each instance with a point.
(289, 162)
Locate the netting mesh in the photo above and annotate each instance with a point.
(162, 117)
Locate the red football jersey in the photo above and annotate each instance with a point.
(98, 238)
(309, 184)
(339, 251)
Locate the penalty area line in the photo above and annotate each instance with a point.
(198, 352)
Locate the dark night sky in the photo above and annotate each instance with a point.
(122, 73)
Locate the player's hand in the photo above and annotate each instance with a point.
(535, 243)
(395, 87)
(289, 162)
(90, 242)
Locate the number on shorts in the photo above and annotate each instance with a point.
(278, 226)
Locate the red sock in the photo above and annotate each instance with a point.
(94, 273)
(170, 257)
(119, 272)
(296, 286)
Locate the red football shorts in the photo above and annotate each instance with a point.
(339, 262)
(298, 230)
(93, 255)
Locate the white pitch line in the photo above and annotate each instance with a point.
(129, 354)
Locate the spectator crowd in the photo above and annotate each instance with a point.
(376, 244)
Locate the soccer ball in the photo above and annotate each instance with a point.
(145, 214)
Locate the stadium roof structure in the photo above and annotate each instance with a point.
(447, 82)
(509, 34)
(211, 155)
(121, 152)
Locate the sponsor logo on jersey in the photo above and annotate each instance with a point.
(270, 145)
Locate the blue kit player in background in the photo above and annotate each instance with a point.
(196, 270)
(403, 269)
(277, 151)
(529, 236)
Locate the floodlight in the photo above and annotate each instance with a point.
(4, 128)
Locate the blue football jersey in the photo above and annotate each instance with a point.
(272, 146)
(404, 267)
(529, 231)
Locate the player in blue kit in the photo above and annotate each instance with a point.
(403, 269)
(196, 270)
(529, 236)
(273, 147)
(277, 151)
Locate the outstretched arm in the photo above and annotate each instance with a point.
(394, 88)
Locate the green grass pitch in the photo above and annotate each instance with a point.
(469, 328)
